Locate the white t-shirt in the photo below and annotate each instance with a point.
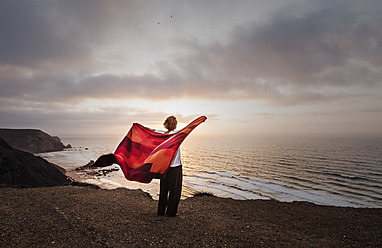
(176, 161)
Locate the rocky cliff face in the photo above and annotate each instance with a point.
(31, 140)
(19, 168)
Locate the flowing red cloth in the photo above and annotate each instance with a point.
(144, 154)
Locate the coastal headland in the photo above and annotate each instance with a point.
(32, 140)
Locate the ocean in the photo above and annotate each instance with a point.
(326, 170)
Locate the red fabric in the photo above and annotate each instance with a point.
(144, 154)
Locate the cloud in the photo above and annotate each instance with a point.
(295, 56)
(59, 118)
(302, 54)
(35, 32)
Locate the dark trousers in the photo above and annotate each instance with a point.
(170, 191)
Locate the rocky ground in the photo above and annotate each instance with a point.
(71, 216)
(23, 169)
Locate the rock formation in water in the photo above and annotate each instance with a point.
(31, 140)
(23, 169)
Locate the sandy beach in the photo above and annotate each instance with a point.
(72, 216)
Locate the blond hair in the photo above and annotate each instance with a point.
(170, 123)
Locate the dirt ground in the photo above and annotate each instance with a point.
(71, 216)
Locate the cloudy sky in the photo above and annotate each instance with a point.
(259, 66)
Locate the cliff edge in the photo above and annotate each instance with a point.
(31, 140)
(22, 169)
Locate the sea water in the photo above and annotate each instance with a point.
(326, 170)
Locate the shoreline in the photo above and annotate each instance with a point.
(353, 189)
(95, 177)
(98, 177)
(87, 176)
(67, 216)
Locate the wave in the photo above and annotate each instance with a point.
(328, 172)
(238, 187)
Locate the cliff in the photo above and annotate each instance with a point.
(31, 140)
(19, 168)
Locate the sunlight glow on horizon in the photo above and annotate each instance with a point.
(222, 116)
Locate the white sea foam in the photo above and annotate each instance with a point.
(248, 188)
(347, 176)
(316, 171)
(69, 159)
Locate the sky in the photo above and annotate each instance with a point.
(94, 67)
